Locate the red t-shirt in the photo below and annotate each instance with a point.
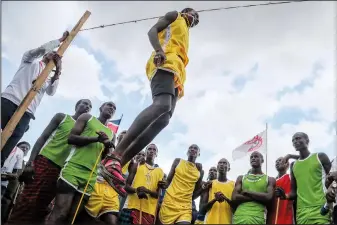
(285, 209)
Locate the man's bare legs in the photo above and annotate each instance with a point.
(66, 202)
(145, 127)
(109, 219)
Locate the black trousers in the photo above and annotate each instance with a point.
(7, 110)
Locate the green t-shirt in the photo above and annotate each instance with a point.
(56, 147)
(254, 183)
(310, 179)
(87, 155)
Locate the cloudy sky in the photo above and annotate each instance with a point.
(248, 67)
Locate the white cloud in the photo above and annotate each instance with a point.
(80, 76)
(285, 41)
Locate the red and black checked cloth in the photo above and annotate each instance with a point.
(146, 218)
(32, 204)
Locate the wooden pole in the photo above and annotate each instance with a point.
(12, 123)
(277, 208)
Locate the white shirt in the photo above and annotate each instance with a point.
(14, 161)
(28, 71)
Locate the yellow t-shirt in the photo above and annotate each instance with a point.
(125, 168)
(174, 41)
(180, 191)
(220, 213)
(146, 176)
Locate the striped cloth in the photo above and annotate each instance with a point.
(147, 219)
(32, 204)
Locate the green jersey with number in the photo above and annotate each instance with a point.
(56, 147)
(253, 183)
(87, 155)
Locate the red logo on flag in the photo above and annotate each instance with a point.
(255, 143)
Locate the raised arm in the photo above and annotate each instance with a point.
(31, 55)
(162, 23)
(52, 126)
(264, 198)
(237, 197)
(75, 137)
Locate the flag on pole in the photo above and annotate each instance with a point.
(114, 124)
(257, 143)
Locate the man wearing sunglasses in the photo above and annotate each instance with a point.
(166, 71)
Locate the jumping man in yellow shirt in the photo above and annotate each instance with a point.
(142, 187)
(216, 203)
(166, 71)
(183, 181)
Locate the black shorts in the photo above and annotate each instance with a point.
(163, 83)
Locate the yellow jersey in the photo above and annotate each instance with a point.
(174, 41)
(220, 213)
(181, 189)
(125, 168)
(148, 177)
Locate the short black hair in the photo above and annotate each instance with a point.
(100, 108)
(81, 100)
(22, 143)
(186, 10)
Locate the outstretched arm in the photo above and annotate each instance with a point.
(293, 192)
(162, 23)
(237, 197)
(31, 55)
(264, 198)
(52, 126)
(75, 137)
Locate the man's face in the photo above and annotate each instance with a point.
(25, 148)
(279, 165)
(300, 141)
(140, 156)
(193, 151)
(84, 106)
(212, 173)
(108, 109)
(256, 159)
(151, 152)
(223, 165)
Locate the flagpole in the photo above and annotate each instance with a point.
(266, 148)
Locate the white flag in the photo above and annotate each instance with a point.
(257, 143)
